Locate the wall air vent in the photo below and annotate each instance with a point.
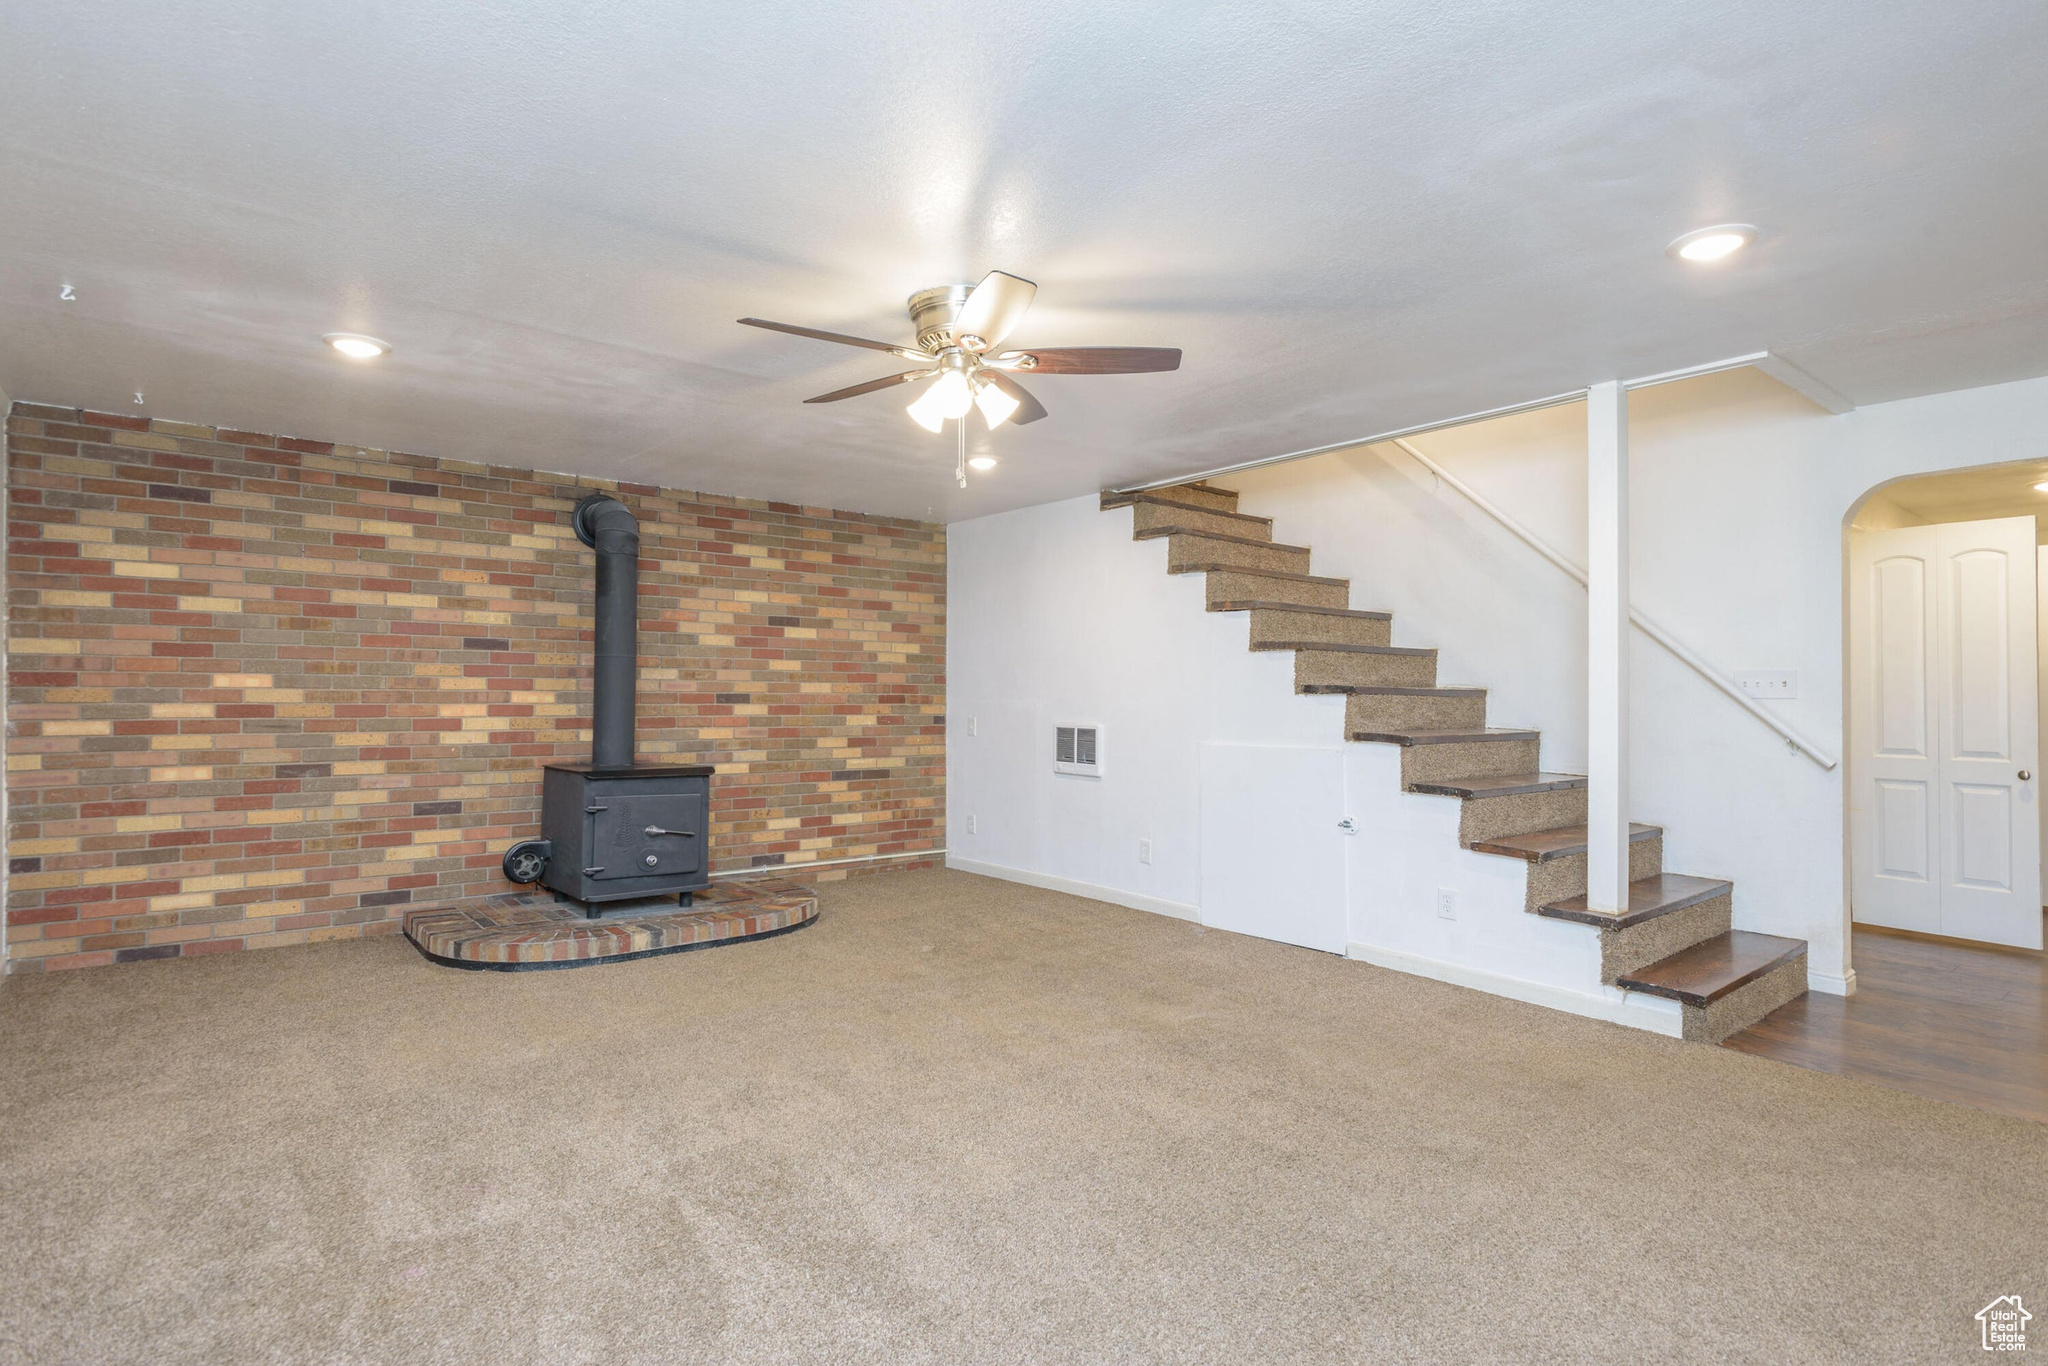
(1078, 750)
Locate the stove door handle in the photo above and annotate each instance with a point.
(657, 830)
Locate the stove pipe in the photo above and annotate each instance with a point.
(604, 524)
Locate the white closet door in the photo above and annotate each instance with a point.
(1945, 835)
(1273, 858)
(1894, 829)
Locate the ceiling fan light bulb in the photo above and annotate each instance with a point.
(927, 414)
(995, 405)
(951, 395)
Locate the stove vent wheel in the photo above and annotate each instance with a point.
(527, 861)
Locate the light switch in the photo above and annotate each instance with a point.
(1776, 686)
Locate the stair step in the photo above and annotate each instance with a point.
(1153, 533)
(1321, 665)
(1502, 785)
(1240, 583)
(1648, 898)
(1154, 516)
(1285, 575)
(1208, 495)
(1545, 845)
(1259, 605)
(1342, 647)
(1388, 690)
(1712, 968)
(1192, 545)
(1442, 737)
(1382, 709)
(1554, 854)
(1394, 690)
(1431, 754)
(1189, 549)
(1160, 500)
(1282, 627)
(1198, 494)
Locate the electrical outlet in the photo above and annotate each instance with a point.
(1144, 851)
(1781, 685)
(971, 822)
(1446, 904)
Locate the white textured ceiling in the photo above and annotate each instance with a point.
(1351, 217)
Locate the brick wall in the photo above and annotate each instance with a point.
(264, 690)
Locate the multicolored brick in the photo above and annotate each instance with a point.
(539, 929)
(264, 690)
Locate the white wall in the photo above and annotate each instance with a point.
(1719, 485)
(1055, 615)
(1740, 492)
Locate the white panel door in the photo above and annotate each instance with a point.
(1945, 833)
(2041, 681)
(1894, 834)
(1272, 853)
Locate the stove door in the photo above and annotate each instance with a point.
(649, 835)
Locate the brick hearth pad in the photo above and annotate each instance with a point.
(512, 931)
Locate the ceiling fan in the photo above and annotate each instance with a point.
(959, 328)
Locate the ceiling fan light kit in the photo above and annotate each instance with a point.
(948, 398)
(996, 406)
(958, 327)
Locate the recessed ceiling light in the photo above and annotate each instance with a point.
(982, 462)
(1717, 243)
(356, 346)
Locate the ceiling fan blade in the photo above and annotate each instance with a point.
(1029, 409)
(993, 309)
(906, 352)
(872, 386)
(1091, 360)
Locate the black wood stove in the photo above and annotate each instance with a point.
(612, 829)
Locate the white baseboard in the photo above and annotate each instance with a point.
(1114, 896)
(1652, 1013)
(1841, 983)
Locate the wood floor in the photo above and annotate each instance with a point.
(1952, 1021)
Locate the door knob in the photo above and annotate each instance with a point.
(2024, 775)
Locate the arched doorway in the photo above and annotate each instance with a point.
(1943, 668)
(1942, 1016)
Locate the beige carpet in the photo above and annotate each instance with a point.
(959, 1121)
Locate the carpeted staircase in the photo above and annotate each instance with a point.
(1675, 940)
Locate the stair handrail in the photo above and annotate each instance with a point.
(1642, 622)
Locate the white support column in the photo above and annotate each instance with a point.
(1607, 805)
